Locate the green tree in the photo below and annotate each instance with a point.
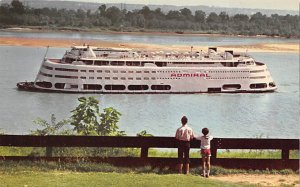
(52, 127)
(224, 17)
(200, 16)
(146, 12)
(102, 10)
(143, 133)
(241, 18)
(114, 14)
(17, 7)
(159, 14)
(109, 123)
(213, 18)
(174, 14)
(87, 119)
(187, 13)
(258, 16)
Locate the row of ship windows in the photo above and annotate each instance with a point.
(145, 87)
(254, 71)
(133, 63)
(228, 71)
(238, 86)
(259, 77)
(145, 78)
(100, 71)
(116, 63)
(122, 71)
(106, 78)
(106, 87)
(257, 71)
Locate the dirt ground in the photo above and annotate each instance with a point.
(42, 42)
(261, 179)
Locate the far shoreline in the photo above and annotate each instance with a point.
(287, 47)
(135, 32)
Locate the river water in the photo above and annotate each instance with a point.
(268, 115)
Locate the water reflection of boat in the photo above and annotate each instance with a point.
(105, 70)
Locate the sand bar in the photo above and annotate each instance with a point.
(43, 42)
(261, 179)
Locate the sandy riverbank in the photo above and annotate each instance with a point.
(36, 42)
(261, 179)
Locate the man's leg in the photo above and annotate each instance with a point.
(187, 160)
(180, 159)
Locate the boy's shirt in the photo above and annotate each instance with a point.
(205, 141)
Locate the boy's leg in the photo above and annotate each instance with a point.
(180, 166)
(203, 165)
(208, 166)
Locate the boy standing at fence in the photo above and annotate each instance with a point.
(184, 135)
(205, 151)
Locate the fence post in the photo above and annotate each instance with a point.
(144, 152)
(285, 154)
(213, 149)
(49, 151)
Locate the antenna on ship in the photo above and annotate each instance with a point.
(46, 52)
(36, 79)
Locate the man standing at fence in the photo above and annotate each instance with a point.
(184, 135)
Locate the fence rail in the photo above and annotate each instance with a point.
(144, 143)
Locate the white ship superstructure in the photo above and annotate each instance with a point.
(106, 70)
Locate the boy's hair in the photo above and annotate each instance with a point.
(184, 120)
(205, 131)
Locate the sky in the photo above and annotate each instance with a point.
(261, 4)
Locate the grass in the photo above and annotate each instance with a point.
(80, 173)
(69, 151)
(255, 154)
(58, 178)
(26, 173)
(134, 152)
(83, 166)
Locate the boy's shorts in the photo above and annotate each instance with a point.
(205, 152)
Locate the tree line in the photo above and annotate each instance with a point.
(145, 19)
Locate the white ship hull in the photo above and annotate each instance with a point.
(198, 77)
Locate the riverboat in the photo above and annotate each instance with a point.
(88, 69)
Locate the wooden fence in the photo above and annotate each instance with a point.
(144, 143)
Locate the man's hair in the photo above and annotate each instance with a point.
(184, 120)
(205, 131)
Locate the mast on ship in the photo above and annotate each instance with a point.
(42, 63)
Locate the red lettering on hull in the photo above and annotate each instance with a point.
(189, 75)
